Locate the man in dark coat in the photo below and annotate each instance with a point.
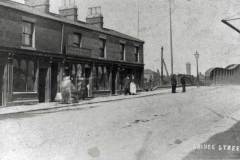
(183, 82)
(174, 83)
(127, 86)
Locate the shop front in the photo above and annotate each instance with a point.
(28, 79)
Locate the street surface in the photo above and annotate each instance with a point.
(160, 127)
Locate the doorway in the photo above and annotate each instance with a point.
(54, 81)
(114, 82)
(1, 83)
(42, 84)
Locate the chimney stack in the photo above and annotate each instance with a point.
(95, 17)
(41, 5)
(69, 10)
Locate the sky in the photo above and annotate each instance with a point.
(196, 26)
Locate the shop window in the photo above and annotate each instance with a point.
(136, 54)
(30, 77)
(102, 78)
(102, 48)
(23, 76)
(27, 34)
(122, 51)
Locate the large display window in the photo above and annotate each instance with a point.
(24, 76)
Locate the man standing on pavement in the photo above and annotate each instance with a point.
(127, 86)
(183, 82)
(174, 83)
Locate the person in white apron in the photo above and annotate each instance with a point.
(133, 88)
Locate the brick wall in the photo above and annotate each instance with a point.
(47, 32)
(90, 40)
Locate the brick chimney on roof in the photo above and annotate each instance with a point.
(69, 10)
(41, 5)
(95, 17)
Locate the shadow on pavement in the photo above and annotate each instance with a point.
(224, 146)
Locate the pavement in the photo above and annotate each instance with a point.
(156, 126)
(80, 104)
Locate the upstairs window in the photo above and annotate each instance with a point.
(136, 54)
(76, 40)
(27, 34)
(102, 48)
(122, 51)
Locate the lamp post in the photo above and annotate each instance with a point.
(197, 57)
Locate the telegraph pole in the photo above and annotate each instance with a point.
(170, 23)
(138, 19)
(161, 65)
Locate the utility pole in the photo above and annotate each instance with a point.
(161, 65)
(138, 19)
(171, 45)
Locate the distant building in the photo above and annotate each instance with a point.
(39, 48)
(188, 68)
(151, 78)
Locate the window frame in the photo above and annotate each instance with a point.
(79, 44)
(136, 54)
(26, 73)
(123, 51)
(102, 48)
(30, 35)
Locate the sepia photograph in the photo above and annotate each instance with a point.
(119, 80)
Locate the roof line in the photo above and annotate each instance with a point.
(30, 10)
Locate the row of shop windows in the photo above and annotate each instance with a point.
(78, 74)
(25, 76)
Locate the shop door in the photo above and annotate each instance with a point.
(113, 82)
(42, 84)
(54, 81)
(1, 83)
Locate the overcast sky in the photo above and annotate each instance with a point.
(196, 26)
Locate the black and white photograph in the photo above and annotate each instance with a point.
(119, 80)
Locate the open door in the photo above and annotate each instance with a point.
(42, 84)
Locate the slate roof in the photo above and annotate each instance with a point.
(56, 17)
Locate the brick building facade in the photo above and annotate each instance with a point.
(38, 48)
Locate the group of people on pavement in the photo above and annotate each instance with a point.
(67, 89)
(69, 93)
(174, 83)
(129, 86)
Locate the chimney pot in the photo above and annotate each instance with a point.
(41, 5)
(95, 17)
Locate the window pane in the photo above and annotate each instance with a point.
(76, 40)
(27, 33)
(30, 77)
(122, 51)
(101, 43)
(27, 40)
(27, 27)
(19, 76)
(102, 47)
(136, 53)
